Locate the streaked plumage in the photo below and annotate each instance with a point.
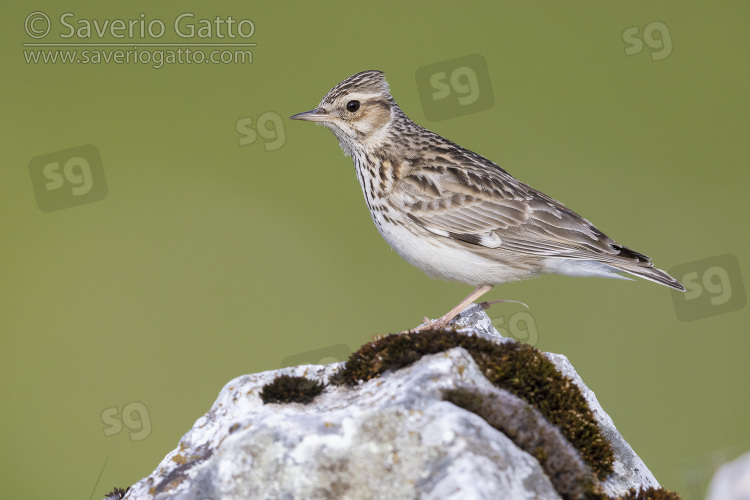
(455, 214)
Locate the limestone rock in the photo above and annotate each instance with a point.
(392, 437)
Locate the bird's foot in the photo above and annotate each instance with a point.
(430, 324)
(443, 322)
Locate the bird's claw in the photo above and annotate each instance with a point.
(486, 304)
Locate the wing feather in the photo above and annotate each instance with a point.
(481, 204)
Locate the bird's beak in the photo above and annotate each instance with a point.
(314, 115)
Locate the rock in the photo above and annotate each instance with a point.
(731, 481)
(395, 437)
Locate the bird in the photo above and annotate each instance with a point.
(453, 213)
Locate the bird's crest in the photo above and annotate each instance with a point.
(366, 82)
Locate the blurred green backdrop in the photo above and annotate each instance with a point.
(230, 240)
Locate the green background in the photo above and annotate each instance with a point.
(209, 259)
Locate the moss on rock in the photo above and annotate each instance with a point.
(288, 389)
(650, 494)
(116, 494)
(515, 367)
(531, 432)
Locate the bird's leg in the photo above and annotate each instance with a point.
(443, 321)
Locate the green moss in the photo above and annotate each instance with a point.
(515, 367)
(288, 389)
(531, 432)
(116, 494)
(650, 494)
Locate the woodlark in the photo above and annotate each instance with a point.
(455, 214)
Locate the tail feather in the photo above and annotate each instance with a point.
(610, 266)
(653, 274)
(640, 265)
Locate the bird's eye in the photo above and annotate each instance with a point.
(352, 106)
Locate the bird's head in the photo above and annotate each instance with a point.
(358, 111)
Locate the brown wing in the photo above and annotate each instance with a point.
(481, 204)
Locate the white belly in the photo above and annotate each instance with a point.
(437, 256)
(441, 258)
